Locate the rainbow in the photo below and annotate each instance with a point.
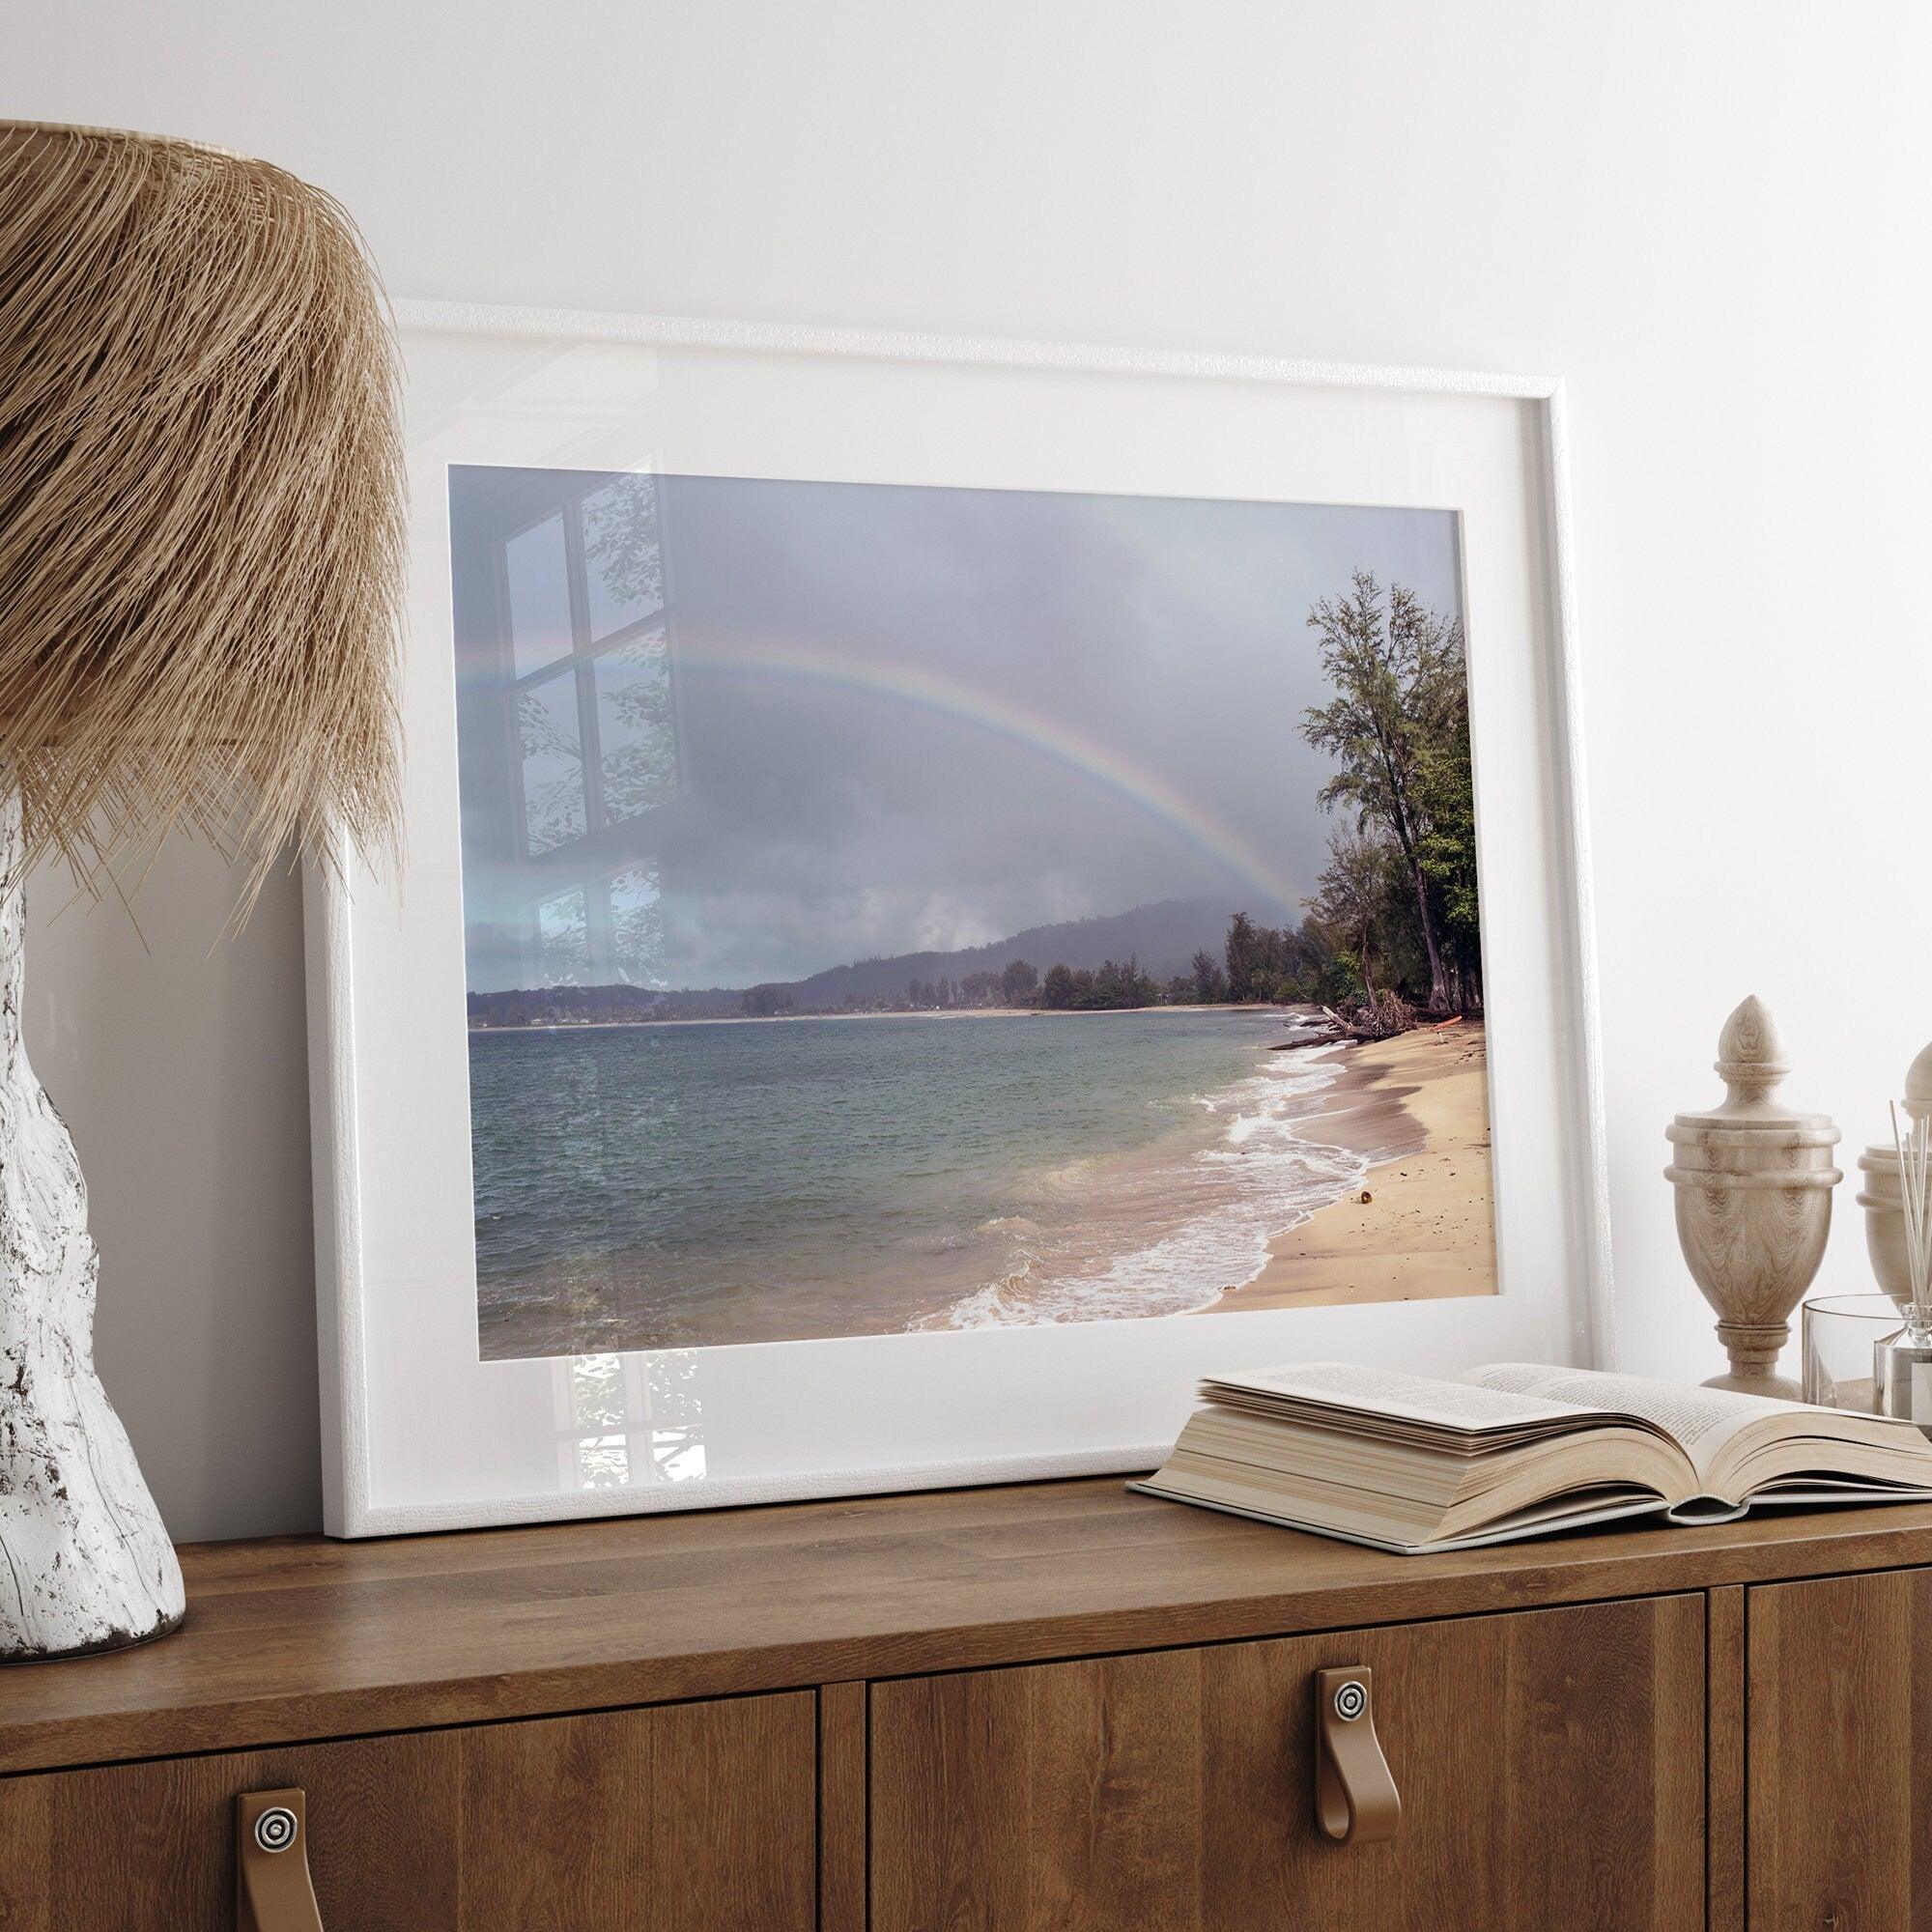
(1147, 793)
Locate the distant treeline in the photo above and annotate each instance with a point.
(569, 1005)
(1258, 965)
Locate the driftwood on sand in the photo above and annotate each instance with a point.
(1381, 1017)
(1384, 1017)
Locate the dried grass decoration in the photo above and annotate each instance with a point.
(201, 504)
(201, 553)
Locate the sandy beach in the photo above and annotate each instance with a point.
(1418, 1107)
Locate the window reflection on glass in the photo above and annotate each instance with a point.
(676, 1415)
(637, 926)
(603, 1462)
(637, 745)
(563, 941)
(536, 567)
(551, 747)
(599, 1408)
(597, 1391)
(568, 691)
(622, 555)
(612, 1406)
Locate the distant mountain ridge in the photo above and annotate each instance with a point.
(1164, 937)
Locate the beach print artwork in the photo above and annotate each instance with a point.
(897, 909)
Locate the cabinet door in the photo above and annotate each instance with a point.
(1839, 1707)
(687, 1818)
(1550, 1765)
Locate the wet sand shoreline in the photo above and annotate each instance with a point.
(1417, 1108)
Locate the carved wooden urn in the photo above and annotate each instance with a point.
(1754, 1182)
(1884, 1196)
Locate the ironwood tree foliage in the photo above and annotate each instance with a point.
(1209, 981)
(1108, 986)
(1353, 898)
(1265, 962)
(1017, 982)
(1398, 728)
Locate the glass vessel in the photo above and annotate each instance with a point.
(1840, 1332)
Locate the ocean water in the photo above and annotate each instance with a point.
(688, 1185)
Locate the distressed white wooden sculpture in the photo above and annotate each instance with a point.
(85, 1563)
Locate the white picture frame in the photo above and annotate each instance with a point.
(422, 1434)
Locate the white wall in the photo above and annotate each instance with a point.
(1711, 219)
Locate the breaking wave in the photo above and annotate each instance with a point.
(1171, 1232)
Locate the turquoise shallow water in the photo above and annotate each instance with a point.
(688, 1185)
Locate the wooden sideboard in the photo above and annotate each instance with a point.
(997, 1711)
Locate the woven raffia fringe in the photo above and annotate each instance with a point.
(201, 507)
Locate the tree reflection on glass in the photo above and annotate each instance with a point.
(624, 554)
(599, 1413)
(563, 940)
(613, 1404)
(637, 750)
(637, 925)
(550, 748)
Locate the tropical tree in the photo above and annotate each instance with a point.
(1017, 982)
(1211, 984)
(1397, 671)
(1247, 953)
(1448, 795)
(1353, 894)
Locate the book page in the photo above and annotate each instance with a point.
(1465, 1406)
(1701, 1420)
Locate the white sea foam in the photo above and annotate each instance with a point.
(1267, 1172)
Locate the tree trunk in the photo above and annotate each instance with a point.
(1398, 815)
(85, 1563)
(1438, 979)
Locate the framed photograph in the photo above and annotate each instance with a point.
(952, 887)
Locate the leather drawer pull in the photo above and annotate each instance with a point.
(1355, 1799)
(272, 1892)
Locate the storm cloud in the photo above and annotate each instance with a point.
(915, 718)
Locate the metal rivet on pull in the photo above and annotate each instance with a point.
(276, 1828)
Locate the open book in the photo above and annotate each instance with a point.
(1408, 1463)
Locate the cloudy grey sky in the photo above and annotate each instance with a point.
(913, 717)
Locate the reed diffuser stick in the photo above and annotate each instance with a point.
(1913, 1142)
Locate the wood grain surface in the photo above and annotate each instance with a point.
(844, 1728)
(689, 1818)
(1550, 1767)
(305, 1639)
(1841, 1716)
(1725, 1768)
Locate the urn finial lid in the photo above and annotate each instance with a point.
(1882, 1156)
(1751, 1055)
(1752, 1063)
(1918, 1086)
